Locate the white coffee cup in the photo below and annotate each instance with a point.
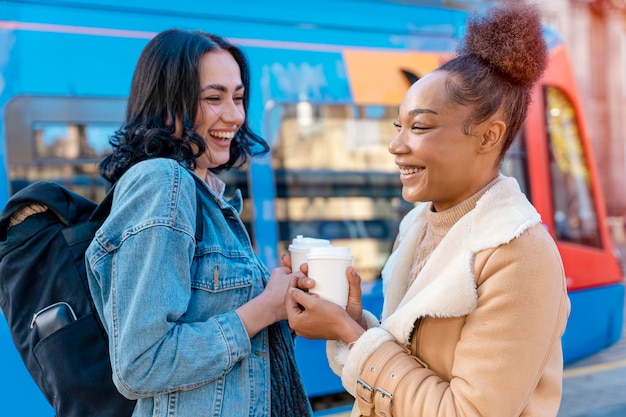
(299, 249)
(327, 266)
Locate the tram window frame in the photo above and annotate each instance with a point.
(26, 113)
(575, 213)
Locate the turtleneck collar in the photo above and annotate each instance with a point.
(442, 221)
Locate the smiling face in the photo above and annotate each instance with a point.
(438, 162)
(221, 109)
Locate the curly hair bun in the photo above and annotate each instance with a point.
(509, 38)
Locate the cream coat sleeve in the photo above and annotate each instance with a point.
(337, 351)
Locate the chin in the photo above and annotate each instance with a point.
(411, 197)
(220, 162)
(216, 161)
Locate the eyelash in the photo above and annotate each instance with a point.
(217, 98)
(398, 126)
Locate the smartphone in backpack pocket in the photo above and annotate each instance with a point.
(52, 318)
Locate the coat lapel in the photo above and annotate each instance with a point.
(446, 286)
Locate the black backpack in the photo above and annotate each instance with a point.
(46, 301)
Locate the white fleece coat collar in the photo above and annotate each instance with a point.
(446, 286)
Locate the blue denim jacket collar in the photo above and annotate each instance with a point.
(236, 201)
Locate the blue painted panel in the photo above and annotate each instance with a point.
(595, 321)
(371, 23)
(292, 76)
(66, 64)
(19, 395)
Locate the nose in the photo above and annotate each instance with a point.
(398, 145)
(234, 113)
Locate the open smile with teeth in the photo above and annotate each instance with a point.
(225, 136)
(406, 170)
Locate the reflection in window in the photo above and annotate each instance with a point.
(335, 179)
(67, 154)
(575, 215)
(515, 163)
(71, 141)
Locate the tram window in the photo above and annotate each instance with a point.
(335, 179)
(575, 215)
(60, 139)
(71, 141)
(67, 154)
(515, 163)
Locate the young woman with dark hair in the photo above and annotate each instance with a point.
(196, 323)
(164, 101)
(475, 295)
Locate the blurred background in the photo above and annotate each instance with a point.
(327, 79)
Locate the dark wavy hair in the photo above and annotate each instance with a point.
(501, 57)
(166, 88)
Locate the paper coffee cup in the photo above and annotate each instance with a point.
(299, 249)
(327, 266)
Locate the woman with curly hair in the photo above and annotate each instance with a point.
(196, 324)
(475, 295)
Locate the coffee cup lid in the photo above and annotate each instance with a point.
(330, 252)
(301, 243)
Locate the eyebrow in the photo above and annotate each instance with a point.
(415, 112)
(220, 87)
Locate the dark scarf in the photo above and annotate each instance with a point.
(288, 395)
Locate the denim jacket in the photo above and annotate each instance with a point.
(167, 302)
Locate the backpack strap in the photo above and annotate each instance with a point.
(104, 208)
(199, 216)
(84, 231)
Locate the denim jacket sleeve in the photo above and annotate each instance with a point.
(139, 270)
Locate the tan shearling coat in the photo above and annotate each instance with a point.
(478, 333)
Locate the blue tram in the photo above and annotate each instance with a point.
(327, 78)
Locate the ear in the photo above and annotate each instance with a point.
(493, 136)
